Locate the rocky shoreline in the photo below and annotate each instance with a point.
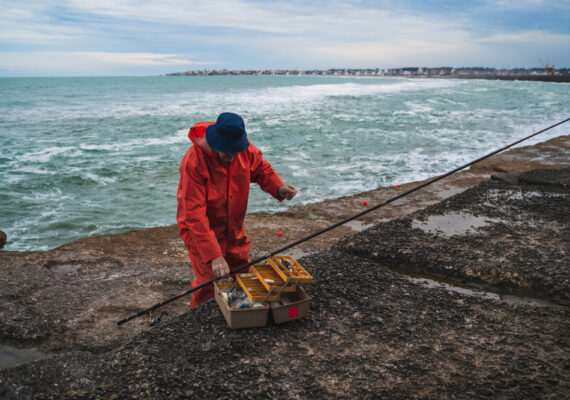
(378, 327)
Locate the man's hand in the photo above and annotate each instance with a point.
(220, 267)
(287, 191)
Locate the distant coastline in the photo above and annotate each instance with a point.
(521, 74)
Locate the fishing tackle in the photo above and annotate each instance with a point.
(155, 320)
(287, 265)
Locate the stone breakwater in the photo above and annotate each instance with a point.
(378, 325)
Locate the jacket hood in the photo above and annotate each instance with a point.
(197, 135)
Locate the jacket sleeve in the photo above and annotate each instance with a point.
(192, 221)
(263, 174)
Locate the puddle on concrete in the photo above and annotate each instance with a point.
(66, 268)
(452, 191)
(12, 356)
(529, 222)
(298, 253)
(506, 298)
(358, 225)
(114, 276)
(453, 224)
(400, 202)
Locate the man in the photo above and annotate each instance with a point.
(215, 174)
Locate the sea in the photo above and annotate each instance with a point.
(84, 156)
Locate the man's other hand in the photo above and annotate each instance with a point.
(287, 191)
(220, 267)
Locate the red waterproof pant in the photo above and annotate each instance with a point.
(204, 273)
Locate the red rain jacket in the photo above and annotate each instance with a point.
(212, 202)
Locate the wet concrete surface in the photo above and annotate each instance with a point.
(452, 224)
(509, 236)
(477, 291)
(372, 331)
(11, 356)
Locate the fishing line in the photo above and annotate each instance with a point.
(335, 225)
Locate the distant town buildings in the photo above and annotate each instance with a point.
(462, 72)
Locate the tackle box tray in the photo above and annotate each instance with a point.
(270, 279)
(240, 318)
(289, 270)
(254, 289)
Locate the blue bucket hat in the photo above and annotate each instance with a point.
(227, 134)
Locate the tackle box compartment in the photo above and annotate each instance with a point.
(240, 318)
(296, 306)
(289, 270)
(254, 289)
(270, 279)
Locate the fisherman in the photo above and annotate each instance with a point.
(215, 174)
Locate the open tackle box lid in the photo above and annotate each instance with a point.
(255, 290)
(270, 279)
(289, 270)
(267, 282)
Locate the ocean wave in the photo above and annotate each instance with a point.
(100, 179)
(44, 155)
(179, 136)
(261, 100)
(51, 194)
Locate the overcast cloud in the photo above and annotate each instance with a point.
(133, 37)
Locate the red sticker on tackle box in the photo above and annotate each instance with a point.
(293, 312)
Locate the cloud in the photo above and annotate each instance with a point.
(378, 53)
(57, 63)
(24, 26)
(528, 37)
(528, 4)
(138, 58)
(273, 18)
(234, 14)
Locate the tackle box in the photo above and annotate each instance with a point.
(276, 285)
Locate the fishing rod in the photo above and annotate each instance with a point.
(337, 224)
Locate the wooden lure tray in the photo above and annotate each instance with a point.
(255, 290)
(271, 279)
(293, 275)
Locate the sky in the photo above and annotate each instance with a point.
(138, 37)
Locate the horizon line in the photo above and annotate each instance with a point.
(277, 69)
